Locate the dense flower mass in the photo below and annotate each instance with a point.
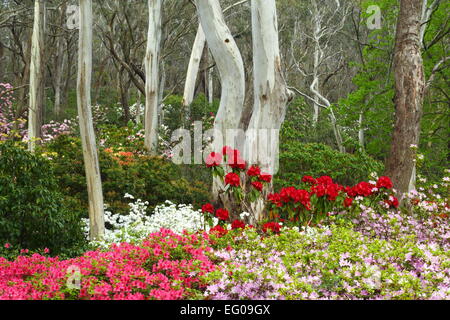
(165, 266)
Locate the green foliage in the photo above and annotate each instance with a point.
(313, 159)
(33, 213)
(153, 179)
(175, 115)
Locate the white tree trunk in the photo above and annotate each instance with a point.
(361, 136)
(36, 76)
(152, 76)
(270, 92)
(94, 184)
(60, 65)
(229, 63)
(194, 65)
(316, 39)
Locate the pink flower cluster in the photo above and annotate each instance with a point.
(166, 266)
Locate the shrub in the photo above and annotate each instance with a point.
(313, 159)
(151, 178)
(166, 266)
(136, 226)
(33, 213)
(328, 263)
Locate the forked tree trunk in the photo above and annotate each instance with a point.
(231, 68)
(270, 93)
(229, 63)
(152, 76)
(409, 92)
(91, 164)
(36, 105)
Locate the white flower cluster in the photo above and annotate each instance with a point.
(136, 226)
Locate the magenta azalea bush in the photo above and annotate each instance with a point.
(165, 266)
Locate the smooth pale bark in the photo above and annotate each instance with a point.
(91, 164)
(36, 76)
(409, 94)
(194, 66)
(152, 75)
(60, 65)
(231, 69)
(229, 63)
(270, 93)
(361, 136)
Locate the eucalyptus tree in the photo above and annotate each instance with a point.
(37, 78)
(90, 155)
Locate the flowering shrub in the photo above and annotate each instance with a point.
(166, 266)
(136, 225)
(329, 263)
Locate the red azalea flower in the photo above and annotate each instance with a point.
(348, 202)
(7, 245)
(384, 182)
(309, 179)
(273, 226)
(214, 159)
(208, 208)
(219, 231)
(257, 185)
(232, 179)
(254, 171)
(238, 224)
(265, 177)
(222, 214)
(227, 151)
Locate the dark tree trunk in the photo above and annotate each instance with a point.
(409, 92)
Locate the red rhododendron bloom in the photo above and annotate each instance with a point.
(265, 177)
(273, 226)
(275, 198)
(363, 189)
(232, 179)
(301, 196)
(214, 159)
(227, 151)
(384, 182)
(254, 171)
(257, 185)
(309, 179)
(319, 190)
(393, 202)
(222, 214)
(208, 208)
(332, 191)
(348, 202)
(326, 180)
(219, 231)
(238, 224)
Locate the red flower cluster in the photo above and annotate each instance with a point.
(222, 214)
(238, 224)
(232, 179)
(384, 182)
(208, 208)
(272, 226)
(214, 159)
(257, 185)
